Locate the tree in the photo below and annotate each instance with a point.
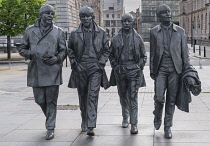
(15, 16)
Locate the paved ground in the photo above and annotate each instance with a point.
(22, 122)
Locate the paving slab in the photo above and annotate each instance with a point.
(84, 140)
(183, 137)
(50, 143)
(39, 136)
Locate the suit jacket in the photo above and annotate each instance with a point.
(52, 42)
(76, 48)
(139, 54)
(178, 48)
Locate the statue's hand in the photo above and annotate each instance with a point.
(190, 81)
(50, 60)
(74, 64)
(22, 52)
(152, 76)
(101, 65)
(32, 54)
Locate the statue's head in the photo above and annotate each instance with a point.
(86, 15)
(164, 13)
(46, 14)
(127, 21)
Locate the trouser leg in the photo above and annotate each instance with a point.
(159, 98)
(46, 98)
(123, 94)
(51, 100)
(172, 89)
(133, 99)
(92, 101)
(40, 97)
(83, 93)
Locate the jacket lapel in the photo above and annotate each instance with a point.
(37, 33)
(120, 38)
(160, 40)
(80, 32)
(173, 37)
(44, 35)
(96, 33)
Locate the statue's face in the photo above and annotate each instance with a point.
(127, 23)
(86, 19)
(165, 14)
(47, 17)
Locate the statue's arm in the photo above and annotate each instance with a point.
(143, 54)
(112, 56)
(71, 52)
(106, 50)
(152, 54)
(24, 49)
(62, 51)
(185, 51)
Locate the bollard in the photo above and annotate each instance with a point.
(200, 63)
(204, 51)
(199, 50)
(66, 35)
(9, 66)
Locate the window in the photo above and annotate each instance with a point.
(112, 15)
(118, 15)
(111, 8)
(107, 23)
(113, 23)
(107, 15)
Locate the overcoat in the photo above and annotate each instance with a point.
(76, 48)
(184, 97)
(52, 43)
(139, 53)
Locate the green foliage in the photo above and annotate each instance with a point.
(16, 15)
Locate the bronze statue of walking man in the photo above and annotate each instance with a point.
(127, 58)
(44, 45)
(88, 52)
(170, 69)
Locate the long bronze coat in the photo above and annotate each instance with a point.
(52, 42)
(140, 55)
(76, 49)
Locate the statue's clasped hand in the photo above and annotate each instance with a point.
(50, 60)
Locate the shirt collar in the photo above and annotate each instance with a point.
(88, 29)
(166, 27)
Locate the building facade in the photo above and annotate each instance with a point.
(67, 13)
(149, 18)
(137, 22)
(194, 17)
(112, 13)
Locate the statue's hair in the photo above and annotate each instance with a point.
(161, 8)
(85, 10)
(45, 8)
(127, 15)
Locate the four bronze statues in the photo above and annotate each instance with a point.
(88, 51)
